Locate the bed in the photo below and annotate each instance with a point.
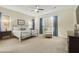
(21, 33)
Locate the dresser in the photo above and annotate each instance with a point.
(5, 34)
(73, 44)
(0, 36)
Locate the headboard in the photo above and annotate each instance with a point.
(24, 27)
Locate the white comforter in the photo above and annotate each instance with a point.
(21, 34)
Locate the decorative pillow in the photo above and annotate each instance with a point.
(15, 28)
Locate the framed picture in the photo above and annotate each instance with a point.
(21, 22)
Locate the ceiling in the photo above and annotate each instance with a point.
(28, 9)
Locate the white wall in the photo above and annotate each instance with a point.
(66, 20)
(37, 20)
(15, 15)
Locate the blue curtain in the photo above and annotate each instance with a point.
(41, 26)
(33, 24)
(55, 26)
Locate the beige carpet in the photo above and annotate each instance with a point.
(35, 45)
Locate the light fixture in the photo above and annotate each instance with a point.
(37, 9)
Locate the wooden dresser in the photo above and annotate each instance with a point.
(0, 36)
(5, 34)
(73, 44)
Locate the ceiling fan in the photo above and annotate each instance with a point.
(37, 9)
